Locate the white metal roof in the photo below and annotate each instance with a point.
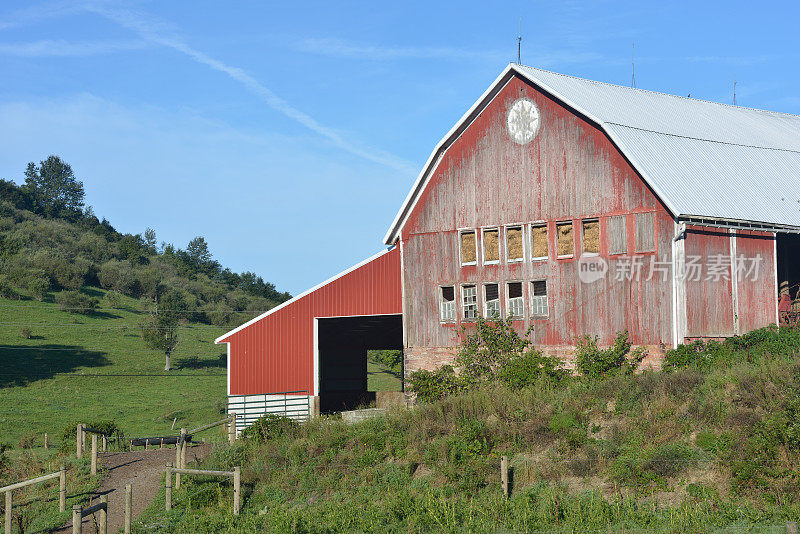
(703, 159)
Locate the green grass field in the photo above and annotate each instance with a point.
(96, 367)
(381, 378)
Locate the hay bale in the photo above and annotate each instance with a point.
(468, 254)
(591, 236)
(514, 243)
(491, 245)
(566, 245)
(539, 241)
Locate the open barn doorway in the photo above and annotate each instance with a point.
(788, 271)
(343, 365)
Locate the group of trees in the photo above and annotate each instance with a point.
(50, 241)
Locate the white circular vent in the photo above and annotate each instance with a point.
(523, 121)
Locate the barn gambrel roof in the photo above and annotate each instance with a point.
(706, 161)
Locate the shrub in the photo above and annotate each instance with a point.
(393, 359)
(76, 302)
(524, 369)
(28, 441)
(113, 299)
(38, 286)
(268, 427)
(6, 291)
(486, 349)
(594, 362)
(119, 276)
(25, 332)
(430, 386)
(108, 427)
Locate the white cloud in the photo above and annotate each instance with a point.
(61, 48)
(153, 32)
(348, 50)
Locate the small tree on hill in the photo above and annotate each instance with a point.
(160, 330)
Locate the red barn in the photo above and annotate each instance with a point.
(572, 206)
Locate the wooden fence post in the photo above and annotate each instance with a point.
(504, 474)
(237, 486)
(183, 448)
(62, 489)
(128, 503)
(79, 441)
(232, 429)
(94, 454)
(46, 443)
(8, 512)
(168, 485)
(791, 527)
(77, 517)
(105, 443)
(103, 522)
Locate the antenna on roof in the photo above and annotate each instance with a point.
(633, 66)
(734, 92)
(519, 43)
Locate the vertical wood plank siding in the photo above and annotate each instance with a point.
(276, 353)
(570, 171)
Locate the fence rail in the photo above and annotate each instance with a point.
(78, 513)
(248, 408)
(61, 475)
(236, 475)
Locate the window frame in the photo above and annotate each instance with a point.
(484, 229)
(521, 299)
(564, 223)
(584, 252)
(652, 230)
(464, 305)
(460, 232)
(533, 296)
(486, 301)
(539, 224)
(521, 227)
(610, 229)
(442, 319)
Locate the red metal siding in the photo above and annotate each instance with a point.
(276, 353)
(570, 171)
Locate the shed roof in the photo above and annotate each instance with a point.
(704, 159)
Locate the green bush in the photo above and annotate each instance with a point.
(430, 386)
(268, 427)
(106, 426)
(523, 370)
(76, 302)
(594, 362)
(393, 359)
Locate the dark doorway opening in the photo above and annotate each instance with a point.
(788, 246)
(342, 344)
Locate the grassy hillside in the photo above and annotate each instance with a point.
(96, 367)
(712, 444)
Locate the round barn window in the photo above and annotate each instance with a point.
(523, 121)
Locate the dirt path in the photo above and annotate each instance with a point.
(143, 471)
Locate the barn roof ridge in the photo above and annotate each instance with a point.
(701, 158)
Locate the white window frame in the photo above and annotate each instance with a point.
(460, 252)
(484, 229)
(449, 306)
(562, 223)
(508, 227)
(465, 306)
(521, 299)
(583, 241)
(486, 313)
(538, 224)
(536, 300)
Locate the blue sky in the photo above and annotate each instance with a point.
(288, 133)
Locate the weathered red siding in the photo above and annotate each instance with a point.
(570, 171)
(276, 353)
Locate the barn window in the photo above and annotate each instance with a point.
(617, 235)
(566, 246)
(539, 298)
(491, 301)
(591, 236)
(491, 246)
(516, 304)
(469, 247)
(447, 304)
(645, 232)
(539, 241)
(514, 244)
(469, 301)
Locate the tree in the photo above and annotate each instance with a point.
(160, 330)
(198, 251)
(52, 189)
(150, 239)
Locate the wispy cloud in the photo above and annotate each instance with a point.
(60, 48)
(157, 33)
(38, 12)
(340, 48)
